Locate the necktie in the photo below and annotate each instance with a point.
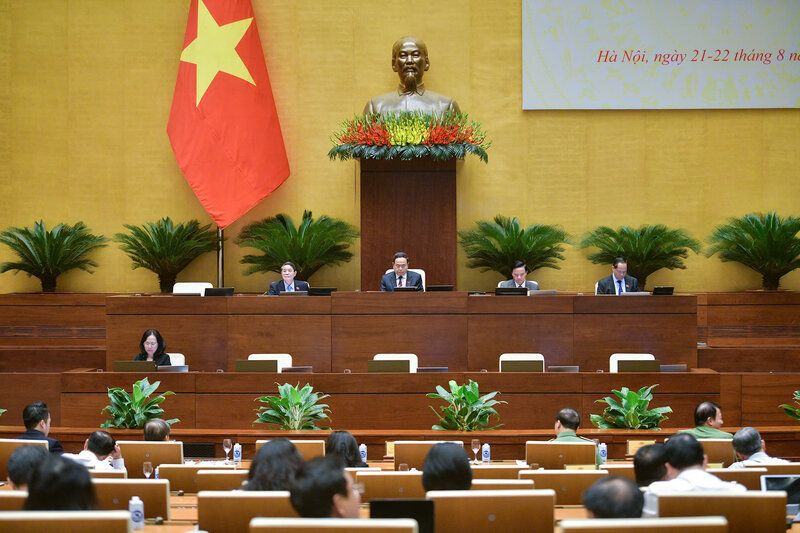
(290, 288)
(400, 281)
(519, 286)
(619, 290)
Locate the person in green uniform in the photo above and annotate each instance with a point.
(567, 422)
(708, 419)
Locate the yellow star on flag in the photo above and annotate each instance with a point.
(214, 49)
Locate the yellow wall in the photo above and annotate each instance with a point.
(86, 86)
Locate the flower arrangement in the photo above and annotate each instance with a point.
(408, 135)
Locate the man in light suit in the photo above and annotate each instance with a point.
(287, 284)
(618, 282)
(518, 273)
(400, 277)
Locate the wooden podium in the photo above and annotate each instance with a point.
(408, 206)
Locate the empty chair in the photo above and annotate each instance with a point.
(516, 358)
(191, 287)
(137, 452)
(115, 494)
(699, 524)
(177, 359)
(620, 469)
(106, 474)
(341, 525)
(308, 448)
(7, 447)
(184, 477)
(634, 445)
(231, 511)
(502, 484)
(418, 271)
(749, 477)
(554, 455)
(567, 484)
(613, 361)
(493, 511)
(220, 479)
(390, 484)
(490, 471)
(13, 500)
(746, 512)
(284, 359)
(413, 360)
(785, 468)
(719, 451)
(65, 521)
(413, 452)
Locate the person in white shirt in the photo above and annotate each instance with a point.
(101, 452)
(749, 448)
(685, 464)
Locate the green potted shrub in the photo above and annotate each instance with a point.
(48, 254)
(166, 248)
(466, 409)
(646, 248)
(793, 411)
(765, 243)
(131, 411)
(294, 408)
(630, 410)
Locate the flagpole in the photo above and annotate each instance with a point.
(220, 266)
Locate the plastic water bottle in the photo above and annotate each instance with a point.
(486, 454)
(155, 474)
(136, 507)
(237, 453)
(603, 448)
(362, 450)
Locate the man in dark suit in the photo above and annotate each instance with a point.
(618, 282)
(287, 284)
(36, 417)
(518, 273)
(401, 276)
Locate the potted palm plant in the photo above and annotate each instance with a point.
(48, 254)
(646, 248)
(310, 246)
(496, 245)
(166, 248)
(766, 243)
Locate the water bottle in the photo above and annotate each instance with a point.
(136, 507)
(155, 475)
(362, 450)
(603, 448)
(486, 454)
(237, 453)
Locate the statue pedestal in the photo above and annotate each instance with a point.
(408, 206)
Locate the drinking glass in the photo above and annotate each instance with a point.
(476, 447)
(227, 446)
(403, 467)
(147, 469)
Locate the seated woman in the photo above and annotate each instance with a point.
(274, 466)
(60, 484)
(342, 445)
(152, 347)
(446, 468)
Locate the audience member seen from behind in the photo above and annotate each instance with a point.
(649, 464)
(275, 466)
(708, 421)
(685, 463)
(21, 464)
(100, 451)
(613, 497)
(59, 484)
(749, 448)
(568, 421)
(343, 445)
(156, 429)
(153, 348)
(36, 417)
(446, 467)
(323, 489)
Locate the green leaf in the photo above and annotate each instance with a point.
(632, 412)
(466, 410)
(127, 411)
(295, 408)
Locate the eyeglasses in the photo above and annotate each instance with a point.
(151, 344)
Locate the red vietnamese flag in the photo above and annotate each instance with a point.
(223, 125)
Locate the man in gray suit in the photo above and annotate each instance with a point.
(518, 273)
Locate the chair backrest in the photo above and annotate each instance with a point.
(342, 525)
(490, 471)
(785, 468)
(108, 474)
(231, 511)
(308, 448)
(567, 484)
(284, 359)
(746, 512)
(177, 359)
(220, 479)
(621, 469)
(502, 484)
(184, 477)
(12, 500)
(719, 451)
(7, 447)
(597, 284)
(413, 452)
(191, 287)
(749, 477)
(514, 357)
(613, 361)
(417, 270)
(413, 360)
(65, 521)
(389, 484)
(698, 524)
(554, 455)
(634, 445)
(490, 511)
(114, 494)
(136, 452)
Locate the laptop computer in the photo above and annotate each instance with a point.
(438, 288)
(663, 291)
(510, 291)
(406, 289)
(652, 365)
(256, 365)
(294, 293)
(419, 509)
(172, 368)
(321, 291)
(544, 292)
(789, 483)
(219, 291)
(133, 366)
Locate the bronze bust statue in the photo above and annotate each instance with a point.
(410, 61)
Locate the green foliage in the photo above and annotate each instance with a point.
(764, 242)
(132, 411)
(294, 408)
(792, 410)
(466, 410)
(310, 246)
(2, 411)
(166, 248)
(630, 412)
(646, 249)
(497, 245)
(48, 254)
(437, 152)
